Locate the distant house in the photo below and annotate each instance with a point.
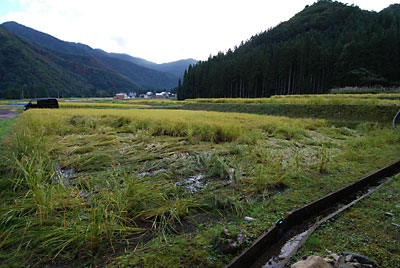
(121, 96)
(160, 96)
(132, 95)
(149, 95)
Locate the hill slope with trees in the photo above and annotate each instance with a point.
(328, 44)
(29, 71)
(176, 68)
(147, 74)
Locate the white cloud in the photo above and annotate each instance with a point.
(160, 30)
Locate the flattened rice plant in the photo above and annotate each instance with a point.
(132, 172)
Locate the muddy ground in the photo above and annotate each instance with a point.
(8, 113)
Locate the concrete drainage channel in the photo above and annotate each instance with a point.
(280, 242)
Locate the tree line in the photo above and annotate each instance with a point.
(327, 45)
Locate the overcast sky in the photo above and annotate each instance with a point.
(158, 30)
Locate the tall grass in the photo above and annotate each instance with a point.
(206, 126)
(49, 218)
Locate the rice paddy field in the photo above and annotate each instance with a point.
(333, 99)
(90, 186)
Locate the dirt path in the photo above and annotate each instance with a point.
(8, 113)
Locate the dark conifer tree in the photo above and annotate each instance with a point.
(328, 44)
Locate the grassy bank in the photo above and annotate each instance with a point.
(166, 188)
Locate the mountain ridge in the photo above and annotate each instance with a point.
(31, 71)
(176, 68)
(140, 71)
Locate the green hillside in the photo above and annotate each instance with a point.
(327, 45)
(146, 74)
(146, 77)
(29, 71)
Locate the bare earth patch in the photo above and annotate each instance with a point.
(8, 113)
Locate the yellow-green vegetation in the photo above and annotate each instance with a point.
(334, 99)
(207, 126)
(7, 106)
(163, 188)
(370, 228)
(8, 102)
(99, 105)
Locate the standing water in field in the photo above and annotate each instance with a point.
(65, 175)
(153, 172)
(193, 183)
(288, 248)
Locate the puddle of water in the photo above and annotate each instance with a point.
(196, 183)
(193, 183)
(231, 173)
(65, 175)
(287, 249)
(153, 172)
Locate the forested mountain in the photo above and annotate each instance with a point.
(147, 74)
(27, 70)
(146, 77)
(328, 44)
(176, 68)
(136, 60)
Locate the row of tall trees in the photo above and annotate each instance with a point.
(328, 44)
